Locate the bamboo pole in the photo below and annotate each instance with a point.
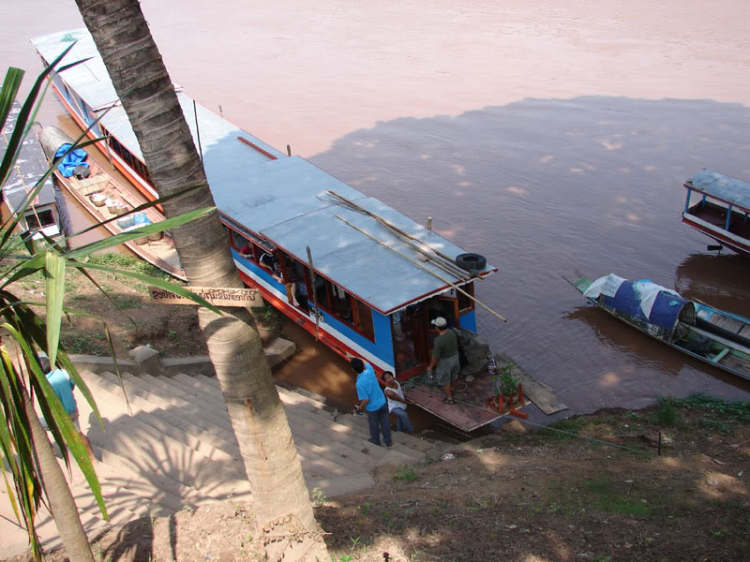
(447, 265)
(415, 262)
(393, 227)
(315, 294)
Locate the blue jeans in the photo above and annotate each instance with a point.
(378, 421)
(402, 420)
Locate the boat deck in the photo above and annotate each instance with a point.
(160, 253)
(470, 411)
(717, 216)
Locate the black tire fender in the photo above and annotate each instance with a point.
(471, 262)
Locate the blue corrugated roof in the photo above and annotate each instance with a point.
(283, 200)
(727, 188)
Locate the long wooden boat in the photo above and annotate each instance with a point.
(713, 336)
(719, 207)
(363, 278)
(104, 198)
(46, 214)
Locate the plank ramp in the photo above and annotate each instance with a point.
(175, 447)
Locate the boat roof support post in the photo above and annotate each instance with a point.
(687, 199)
(198, 130)
(729, 218)
(315, 294)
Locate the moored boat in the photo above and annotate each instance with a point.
(721, 210)
(46, 214)
(104, 198)
(366, 280)
(713, 336)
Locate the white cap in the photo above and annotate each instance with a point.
(440, 322)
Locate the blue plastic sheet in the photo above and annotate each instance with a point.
(664, 311)
(74, 158)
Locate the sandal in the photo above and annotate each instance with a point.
(448, 401)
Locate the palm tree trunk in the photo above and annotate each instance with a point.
(141, 80)
(61, 502)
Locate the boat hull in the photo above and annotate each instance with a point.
(725, 353)
(725, 238)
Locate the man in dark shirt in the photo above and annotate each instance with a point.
(445, 361)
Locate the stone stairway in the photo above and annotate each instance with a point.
(171, 446)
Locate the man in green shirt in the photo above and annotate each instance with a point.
(445, 361)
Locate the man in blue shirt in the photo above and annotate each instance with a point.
(63, 385)
(372, 400)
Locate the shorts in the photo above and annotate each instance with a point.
(447, 370)
(73, 418)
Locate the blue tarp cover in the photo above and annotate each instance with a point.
(74, 158)
(629, 300)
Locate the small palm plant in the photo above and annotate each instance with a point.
(27, 453)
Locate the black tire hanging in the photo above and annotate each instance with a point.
(471, 262)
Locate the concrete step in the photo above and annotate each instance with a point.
(203, 439)
(344, 425)
(182, 410)
(152, 452)
(202, 444)
(412, 441)
(208, 403)
(167, 399)
(309, 432)
(313, 463)
(196, 388)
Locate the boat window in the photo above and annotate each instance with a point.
(41, 219)
(363, 319)
(465, 304)
(242, 245)
(297, 282)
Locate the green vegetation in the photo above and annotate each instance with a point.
(404, 473)
(666, 414)
(726, 409)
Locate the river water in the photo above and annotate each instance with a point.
(554, 138)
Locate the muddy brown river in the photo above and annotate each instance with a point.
(553, 137)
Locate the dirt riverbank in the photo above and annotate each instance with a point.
(546, 496)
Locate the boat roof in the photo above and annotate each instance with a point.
(726, 188)
(91, 81)
(283, 199)
(30, 166)
(286, 201)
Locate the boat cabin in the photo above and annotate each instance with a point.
(719, 206)
(369, 301)
(45, 214)
(358, 295)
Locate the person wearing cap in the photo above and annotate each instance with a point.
(372, 401)
(445, 363)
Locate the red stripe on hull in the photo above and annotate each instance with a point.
(301, 320)
(738, 247)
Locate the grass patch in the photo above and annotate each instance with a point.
(736, 410)
(613, 497)
(85, 345)
(563, 430)
(666, 414)
(714, 425)
(404, 473)
(130, 263)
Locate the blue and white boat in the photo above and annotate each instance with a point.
(719, 338)
(361, 297)
(719, 207)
